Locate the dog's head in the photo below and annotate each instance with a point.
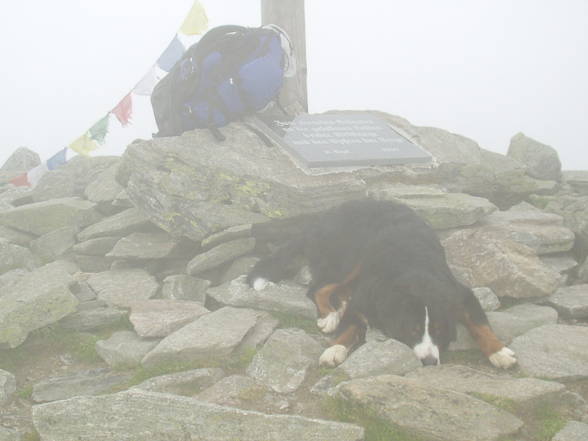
(423, 320)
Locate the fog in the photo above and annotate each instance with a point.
(486, 69)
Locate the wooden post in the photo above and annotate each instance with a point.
(289, 15)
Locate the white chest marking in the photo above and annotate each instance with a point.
(426, 348)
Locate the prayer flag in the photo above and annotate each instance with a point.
(20, 181)
(171, 55)
(124, 110)
(84, 145)
(149, 81)
(196, 22)
(99, 130)
(57, 159)
(35, 174)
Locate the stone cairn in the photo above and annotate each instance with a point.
(141, 260)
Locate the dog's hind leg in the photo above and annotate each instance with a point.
(353, 333)
(330, 315)
(475, 320)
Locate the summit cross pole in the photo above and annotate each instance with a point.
(289, 15)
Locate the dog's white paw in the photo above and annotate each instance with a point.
(333, 356)
(260, 284)
(329, 323)
(504, 358)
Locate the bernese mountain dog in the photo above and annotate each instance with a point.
(378, 264)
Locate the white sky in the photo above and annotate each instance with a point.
(486, 69)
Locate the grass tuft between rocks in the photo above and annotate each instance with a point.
(31, 436)
(295, 321)
(236, 362)
(376, 428)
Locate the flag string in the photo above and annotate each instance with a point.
(195, 23)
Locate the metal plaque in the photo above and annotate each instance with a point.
(342, 139)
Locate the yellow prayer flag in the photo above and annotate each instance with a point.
(196, 23)
(84, 145)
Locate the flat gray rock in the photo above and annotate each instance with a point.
(124, 349)
(578, 179)
(15, 236)
(40, 298)
(442, 210)
(542, 161)
(10, 435)
(21, 160)
(145, 246)
(543, 232)
(232, 233)
(14, 256)
(96, 247)
(486, 258)
(71, 178)
(185, 287)
(104, 188)
(571, 301)
(7, 386)
(378, 358)
(122, 288)
(137, 415)
(160, 318)
(562, 263)
(557, 352)
(220, 254)
(210, 338)
(430, 412)
(43, 217)
(281, 297)
(93, 319)
(488, 300)
(121, 224)
(467, 380)
(243, 392)
(9, 279)
(92, 382)
(573, 431)
(282, 364)
(184, 383)
(54, 244)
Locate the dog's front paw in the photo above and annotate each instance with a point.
(259, 284)
(329, 323)
(505, 358)
(333, 356)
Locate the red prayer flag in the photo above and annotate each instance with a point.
(21, 181)
(124, 110)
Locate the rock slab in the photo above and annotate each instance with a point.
(160, 318)
(558, 352)
(284, 361)
(282, 297)
(210, 338)
(467, 380)
(39, 299)
(137, 415)
(434, 414)
(378, 358)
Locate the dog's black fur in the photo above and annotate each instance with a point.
(403, 268)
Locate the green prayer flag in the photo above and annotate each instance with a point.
(99, 130)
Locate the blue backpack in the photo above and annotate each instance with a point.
(231, 72)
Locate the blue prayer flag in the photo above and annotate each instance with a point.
(56, 160)
(172, 54)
